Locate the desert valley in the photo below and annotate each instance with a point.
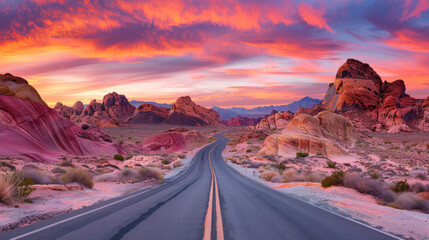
(362, 151)
(214, 120)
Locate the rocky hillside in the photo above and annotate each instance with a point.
(241, 121)
(183, 112)
(359, 94)
(113, 111)
(41, 133)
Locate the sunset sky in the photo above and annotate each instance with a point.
(221, 53)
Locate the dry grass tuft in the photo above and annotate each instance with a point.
(80, 176)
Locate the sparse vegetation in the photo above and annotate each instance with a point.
(66, 163)
(14, 187)
(335, 179)
(36, 174)
(268, 175)
(331, 164)
(121, 142)
(118, 157)
(400, 186)
(301, 154)
(146, 173)
(374, 175)
(77, 175)
(249, 150)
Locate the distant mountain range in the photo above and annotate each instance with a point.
(227, 113)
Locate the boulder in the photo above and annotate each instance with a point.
(14, 86)
(326, 133)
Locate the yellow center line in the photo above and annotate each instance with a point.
(208, 220)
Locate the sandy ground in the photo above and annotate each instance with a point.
(350, 203)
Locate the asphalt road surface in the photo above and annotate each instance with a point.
(209, 200)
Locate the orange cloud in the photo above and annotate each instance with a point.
(314, 17)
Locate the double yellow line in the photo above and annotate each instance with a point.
(208, 221)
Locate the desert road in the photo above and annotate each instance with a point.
(209, 200)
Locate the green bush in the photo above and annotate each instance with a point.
(302, 154)
(118, 157)
(121, 142)
(319, 154)
(77, 175)
(249, 150)
(335, 179)
(281, 167)
(331, 164)
(401, 186)
(374, 175)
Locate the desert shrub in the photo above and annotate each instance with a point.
(421, 176)
(129, 138)
(268, 175)
(419, 152)
(387, 142)
(177, 163)
(119, 157)
(400, 186)
(335, 179)
(331, 164)
(319, 154)
(137, 142)
(36, 174)
(302, 154)
(288, 174)
(262, 138)
(249, 150)
(58, 170)
(281, 167)
(77, 175)
(126, 171)
(121, 142)
(418, 187)
(374, 175)
(412, 201)
(181, 155)
(66, 163)
(249, 143)
(368, 186)
(14, 187)
(147, 173)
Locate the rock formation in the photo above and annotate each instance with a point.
(112, 112)
(325, 133)
(148, 113)
(42, 134)
(172, 140)
(241, 121)
(18, 87)
(359, 94)
(183, 112)
(275, 120)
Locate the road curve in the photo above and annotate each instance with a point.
(209, 200)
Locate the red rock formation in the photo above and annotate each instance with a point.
(148, 113)
(358, 93)
(42, 134)
(172, 140)
(117, 106)
(324, 133)
(185, 112)
(242, 121)
(275, 120)
(18, 87)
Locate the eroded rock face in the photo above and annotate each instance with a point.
(148, 113)
(325, 133)
(358, 93)
(242, 121)
(14, 86)
(42, 134)
(185, 112)
(275, 120)
(117, 106)
(172, 140)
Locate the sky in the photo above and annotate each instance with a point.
(221, 53)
